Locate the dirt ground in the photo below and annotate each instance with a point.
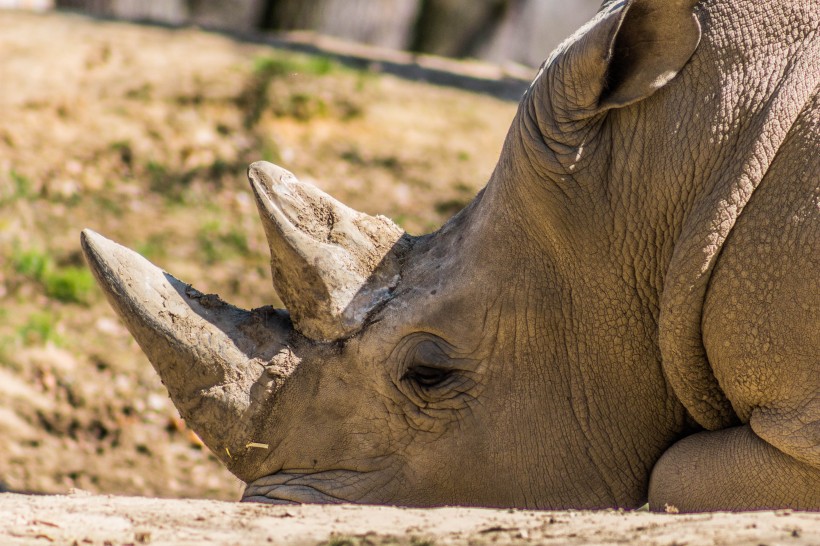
(143, 134)
(89, 519)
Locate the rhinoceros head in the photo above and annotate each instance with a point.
(448, 368)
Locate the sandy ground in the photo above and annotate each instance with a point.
(91, 519)
(143, 134)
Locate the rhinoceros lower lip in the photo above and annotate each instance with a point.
(286, 487)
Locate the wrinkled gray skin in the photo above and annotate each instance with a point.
(629, 310)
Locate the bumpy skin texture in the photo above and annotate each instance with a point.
(761, 331)
(628, 311)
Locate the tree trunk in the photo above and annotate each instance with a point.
(235, 15)
(523, 31)
(164, 11)
(386, 23)
(531, 29)
(457, 28)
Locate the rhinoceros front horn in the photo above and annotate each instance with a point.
(221, 365)
(331, 265)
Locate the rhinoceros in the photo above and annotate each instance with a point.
(628, 312)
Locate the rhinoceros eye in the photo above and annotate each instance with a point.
(427, 365)
(426, 376)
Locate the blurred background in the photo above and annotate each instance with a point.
(143, 132)
(520, 31)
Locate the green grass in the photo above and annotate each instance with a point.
(31, 263)
(273, 66)
(153, 247)
(22, 185)
(302, 106)
(269, 150)
(180, 186)
(124, 149)
(142, 93)
(67, 284)
(39, 329)
(256, 99)
(163, 182)
(20, 188)
(342, 541)
(218, 243)
(449, 207)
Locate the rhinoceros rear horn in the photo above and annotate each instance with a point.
(330, 264)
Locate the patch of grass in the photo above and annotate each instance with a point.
(342, 540)
(68, 284)
(20, 188)
(31, 263)
(302, 106)
(273, 66)
(218, 244)
(158, 176)
(142, 93)
(400, 219)
(152, 248)
(179, 187)
(220, 168)
(269, 151)
(6, 342)
(363, 79)
(465, 188)
(372, 539)
(8, 345)
(352, 156)
(166, 182)
(236, 240)
(125, 151)
(40, 329)
(255, 98)
(451, 206)
(7, 139)
(109, 205)
(22, 185)
(388, 162)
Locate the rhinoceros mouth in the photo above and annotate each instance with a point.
(290, 487)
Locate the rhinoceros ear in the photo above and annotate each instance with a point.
(629, 51)
(331, 265)
(654, 41)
